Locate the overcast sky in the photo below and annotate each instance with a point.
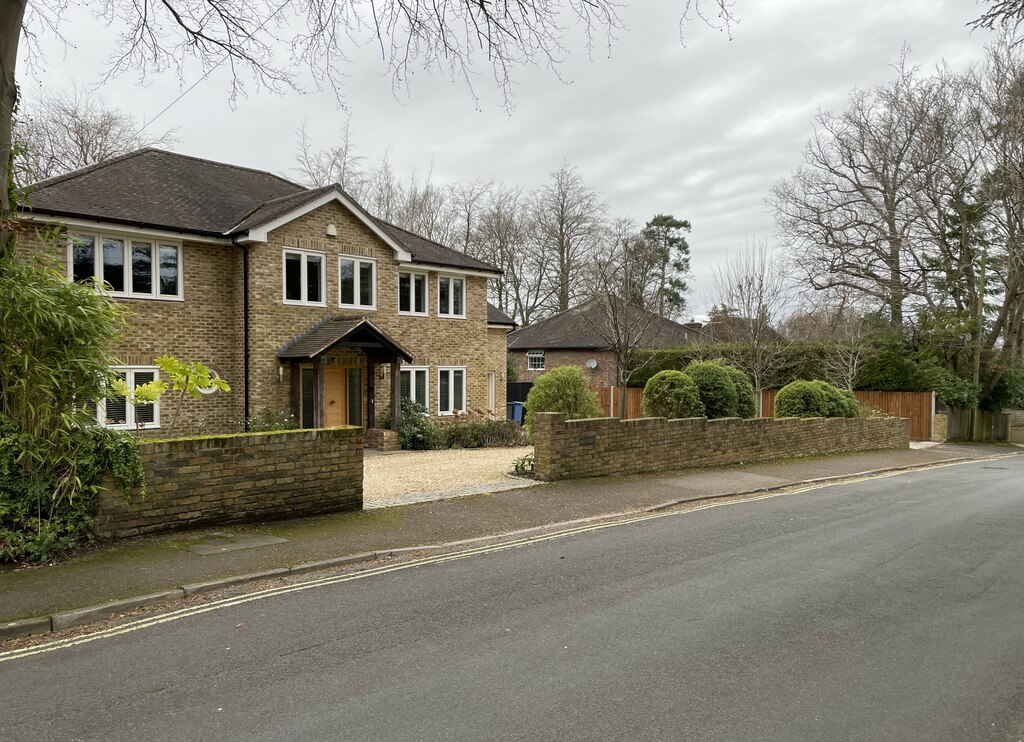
(700, 130)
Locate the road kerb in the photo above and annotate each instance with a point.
(90, 614)
(198, 588)
(26, 627)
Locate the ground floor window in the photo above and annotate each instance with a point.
(451, 390)
(114, 411)
(414, 385)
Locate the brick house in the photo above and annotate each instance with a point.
(299, 298)
(581, 336)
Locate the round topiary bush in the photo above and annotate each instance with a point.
(746, 404)
(672, 394)
(715, 387)
(801, 399)
(562, 389)
(838, 402)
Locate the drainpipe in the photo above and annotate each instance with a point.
(245, 332)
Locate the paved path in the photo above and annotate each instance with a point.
(885, 609)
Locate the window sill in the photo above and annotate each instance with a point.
(451, 316)
(358, 307)
(288, 303)
(413, 314)
(137, 297)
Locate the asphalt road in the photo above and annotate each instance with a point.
(891, 609)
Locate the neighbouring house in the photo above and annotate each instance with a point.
(582, 336)
(724, 328)
(302, 300)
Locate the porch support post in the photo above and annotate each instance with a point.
(296, 392)
(396, 394)
(318, 392)
(371, 381)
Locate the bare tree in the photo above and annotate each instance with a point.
(752, 289)
(60, 132)
(570, 221)
(465, 206)
(1004, 14)
(338, 163)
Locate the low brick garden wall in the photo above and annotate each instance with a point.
(225, 479)
(609, 446)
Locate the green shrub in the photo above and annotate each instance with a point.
(482, 434)
(801, 399)
(715, 387)
(672, 394)
(563, 389)
(416, 431)
(746, 397)
(270, 421)
(838, 402)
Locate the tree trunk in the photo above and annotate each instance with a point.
(11, 14)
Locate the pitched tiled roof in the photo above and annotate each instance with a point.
(151, 187)
(586, 327)
(340, 331)
(432, 253)
(497, 317)
(165, 190)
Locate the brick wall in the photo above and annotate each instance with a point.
(1016, 426)
(608, 446)
(225, 479)
(603, 375)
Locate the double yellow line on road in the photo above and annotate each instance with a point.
(176, 615)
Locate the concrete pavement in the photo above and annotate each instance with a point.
(161, 567)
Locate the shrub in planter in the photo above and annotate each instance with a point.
(716, 388)
(672, 394)
(838, 402)
(746, 397)
(801, 399)
(562, 389)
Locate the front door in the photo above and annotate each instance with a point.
(343, 396)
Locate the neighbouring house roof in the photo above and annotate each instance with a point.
(341, 332)
(156, 189)
(497, 317)
(587, 327)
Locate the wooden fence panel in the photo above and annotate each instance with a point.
(918, 407)
(978, 425)
(634, 401)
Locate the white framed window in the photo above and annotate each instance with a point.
(412, 293)
(304, 278)
(451, 390)
(117, 412)
(535, 360)
(413, 382)
(451, 297)
(357, 282)
(137, 268)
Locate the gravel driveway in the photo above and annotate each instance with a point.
(403, 474)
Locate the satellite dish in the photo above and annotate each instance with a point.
(591, 364)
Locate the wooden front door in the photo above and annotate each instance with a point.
(343, 396)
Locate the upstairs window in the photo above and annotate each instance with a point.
(412, 293)
(357, 282)
(138, 268)
(304, 277)
(451, 296)
(535, 360)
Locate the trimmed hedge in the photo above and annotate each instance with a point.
(815, 399)
(562, 389)
(746, 405)
(715, 387)
(672, 394)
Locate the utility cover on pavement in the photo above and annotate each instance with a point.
(221, 542)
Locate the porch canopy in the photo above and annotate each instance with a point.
(354, 333)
